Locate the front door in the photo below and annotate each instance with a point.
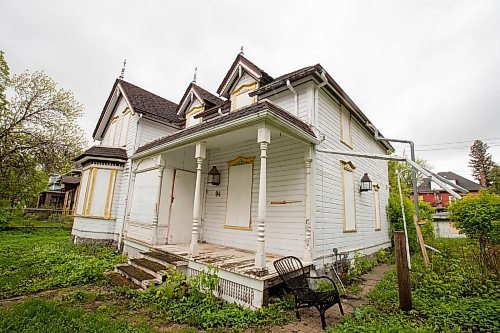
(181, 208)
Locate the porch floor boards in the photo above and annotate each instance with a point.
(226, 258)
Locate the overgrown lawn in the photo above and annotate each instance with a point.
(454, 295)
(42, 259)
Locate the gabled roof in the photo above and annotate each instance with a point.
(150, 105)
(258, 74)
(241, 113)
(205, 97)
(316, 72)
(460, 181)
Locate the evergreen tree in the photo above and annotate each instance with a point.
(481, 162)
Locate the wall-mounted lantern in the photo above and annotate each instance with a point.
(366, 184)
(214, 176)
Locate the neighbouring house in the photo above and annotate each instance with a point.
(60, 193)
(234, 180)
(439, 198)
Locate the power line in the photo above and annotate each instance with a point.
(452, 148)
(455, 142)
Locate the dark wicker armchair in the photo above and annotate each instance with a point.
(305, 288)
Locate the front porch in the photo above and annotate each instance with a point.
(239, 280)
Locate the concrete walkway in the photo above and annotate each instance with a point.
(310, 320)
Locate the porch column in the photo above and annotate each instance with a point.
(199, 155)
(308, 227)
(160, 162)
(263, 138)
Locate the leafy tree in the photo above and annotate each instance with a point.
(481, 162)
(38, 133)
(478, 217)
(495, 179)
(406, 178)
(4, 80)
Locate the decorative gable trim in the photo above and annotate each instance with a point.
(239, 65)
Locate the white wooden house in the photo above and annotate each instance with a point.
(147, 187)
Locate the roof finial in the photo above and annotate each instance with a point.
(122, 74)
(195, 72)
(241, 51)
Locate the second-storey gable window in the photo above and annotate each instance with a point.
(190, 116)
(240, 97)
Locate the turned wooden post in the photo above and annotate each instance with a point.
(404, 288)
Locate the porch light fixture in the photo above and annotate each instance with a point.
(366, 184)
(214, 176)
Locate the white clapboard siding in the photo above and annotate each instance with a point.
(285, 181)
(328, 187)
(286, 100)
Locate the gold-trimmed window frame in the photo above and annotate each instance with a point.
(240, 160)
(244, 88)
(348, 144)
(194, 110)
(348, 166)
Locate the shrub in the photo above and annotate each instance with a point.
(5, 218)
(478, 217)
(396, 220)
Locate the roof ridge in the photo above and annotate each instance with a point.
(152, 93)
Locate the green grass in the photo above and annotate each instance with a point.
(454, 295)
(41, 259)
(38, 315)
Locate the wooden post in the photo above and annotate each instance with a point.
(200, 154)
(421, 241)
(263, 138)
(404, 288)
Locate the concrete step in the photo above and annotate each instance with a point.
(151, 267)
(138, 276)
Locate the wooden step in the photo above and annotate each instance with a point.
(138, 276)
(164, 258)
(151, 267)
(119, 280)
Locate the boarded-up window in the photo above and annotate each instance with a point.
(96, 192)
(83, 192)
(240, 96)
(376, 194)
(144, 197)
(111, 133)
(239, 194)
(345, 126)
(124, 132)
(349, 201)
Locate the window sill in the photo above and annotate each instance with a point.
(237, 228)
(348, 231)
(378, 229)
(348, 145)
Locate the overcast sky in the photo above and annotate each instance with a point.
(427, 71)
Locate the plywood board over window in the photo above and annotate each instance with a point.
(239, 193)
(349, 199)
(345, 126)
(125, 124)
(240, 97)
(376, 196)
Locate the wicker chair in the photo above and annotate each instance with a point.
(305, 288)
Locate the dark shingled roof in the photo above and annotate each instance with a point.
(70, 180)
(246, 111)
(281, 80)
(265, 78)
(208, 98)
(151, 106)
(338, 91)
(103, 151)
(461, 181)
